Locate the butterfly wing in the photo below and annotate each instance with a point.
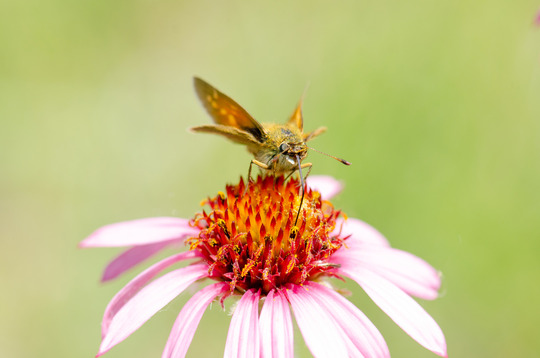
(234, 134)
(296, 118)
(317, 132)
(226, 113)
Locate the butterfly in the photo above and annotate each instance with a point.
(278, 148)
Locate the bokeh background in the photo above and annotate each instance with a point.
(436, 104)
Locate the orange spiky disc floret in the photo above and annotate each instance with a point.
(249, 238)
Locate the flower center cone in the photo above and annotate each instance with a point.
(251, 237)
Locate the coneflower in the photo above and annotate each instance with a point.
(248, 244)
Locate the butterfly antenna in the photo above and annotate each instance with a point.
(308, 84)
(303, 188)
(331, 156)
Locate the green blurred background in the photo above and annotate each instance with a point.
(436, 104)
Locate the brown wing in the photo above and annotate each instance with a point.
(226, 112)
(296, 117)
(234, 134)
(309, 136)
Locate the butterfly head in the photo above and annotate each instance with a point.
(292, 152)
(284, 147)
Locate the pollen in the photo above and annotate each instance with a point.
(250, 238)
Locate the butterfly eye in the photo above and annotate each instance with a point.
(283, 147)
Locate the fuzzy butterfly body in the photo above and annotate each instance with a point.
(279, 148)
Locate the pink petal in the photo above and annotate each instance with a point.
(361, 233)
(187, 321)
(537, 20)
(322, 336)
(276, 327)
(130, 258)
(148, 301)
(324, 184)
(243, 337)
(401, 308)
(129, 290)
(365, 337)
(410, 273)
(139, 232)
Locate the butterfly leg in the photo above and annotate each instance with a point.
(257, 163)
(302, 184)
(289, 175)
(307, 165)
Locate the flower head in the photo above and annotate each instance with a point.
(251, 238)
(275, 249)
